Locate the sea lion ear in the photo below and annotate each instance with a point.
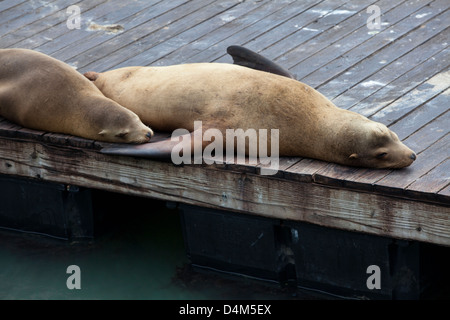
(250, 59)
(353, 156)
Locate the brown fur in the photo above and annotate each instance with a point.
(227, 96)
(39, 92)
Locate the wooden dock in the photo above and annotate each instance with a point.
(398, 75)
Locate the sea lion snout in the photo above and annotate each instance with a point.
(398, 156)
(401, 154)
(140, 136)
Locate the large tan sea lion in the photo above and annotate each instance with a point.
(224, 96)
(43, 93)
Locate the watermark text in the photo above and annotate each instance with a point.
(249, 146)
(74, 19)
(74, 280)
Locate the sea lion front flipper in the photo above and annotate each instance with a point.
(154, 150)
(160, 150)
(248, 58)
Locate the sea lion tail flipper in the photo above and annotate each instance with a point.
(91, 75)
(248, 58)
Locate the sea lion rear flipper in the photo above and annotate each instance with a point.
(91, 75)
(248, 58)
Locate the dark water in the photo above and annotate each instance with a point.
(134, 255)
(137, 253)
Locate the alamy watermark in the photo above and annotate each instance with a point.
(255, 150)
(74, 280)
(374, 280)
(374, 20)
(74, 19)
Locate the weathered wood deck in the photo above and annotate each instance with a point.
(398, 75)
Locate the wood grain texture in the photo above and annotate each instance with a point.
(231, 190)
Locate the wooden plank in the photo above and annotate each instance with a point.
(433, 131)
(8, 129)
(387, 77)
(272, 20)
(58, 35)
(293, 27)
(7, 4)
(26, 35)
(56, 138)
(25, 133)
(422, 115)
(349, 177)
(98, 45)
(290, 27)
(309, 33)
(402, 85)
(211, 21)
(19, 16)
(304, 170)
(387, 64)
(362, 43)
(413, 99)
(133, 17)
(237, 19)
(333, 48)
(278, 170)
(74, 42)
(139, 18)
(9, 15)
(221, 189)
(235, 164)
(136, 41)
(82, 143)
(445, 192)
(400, 179)
(435, 180)
(11, 130)
(330, 36)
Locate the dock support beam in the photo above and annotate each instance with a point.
(52, 209)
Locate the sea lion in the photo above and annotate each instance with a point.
(225, 96)
(43, 93)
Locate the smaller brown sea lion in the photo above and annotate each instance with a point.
(43, 93)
